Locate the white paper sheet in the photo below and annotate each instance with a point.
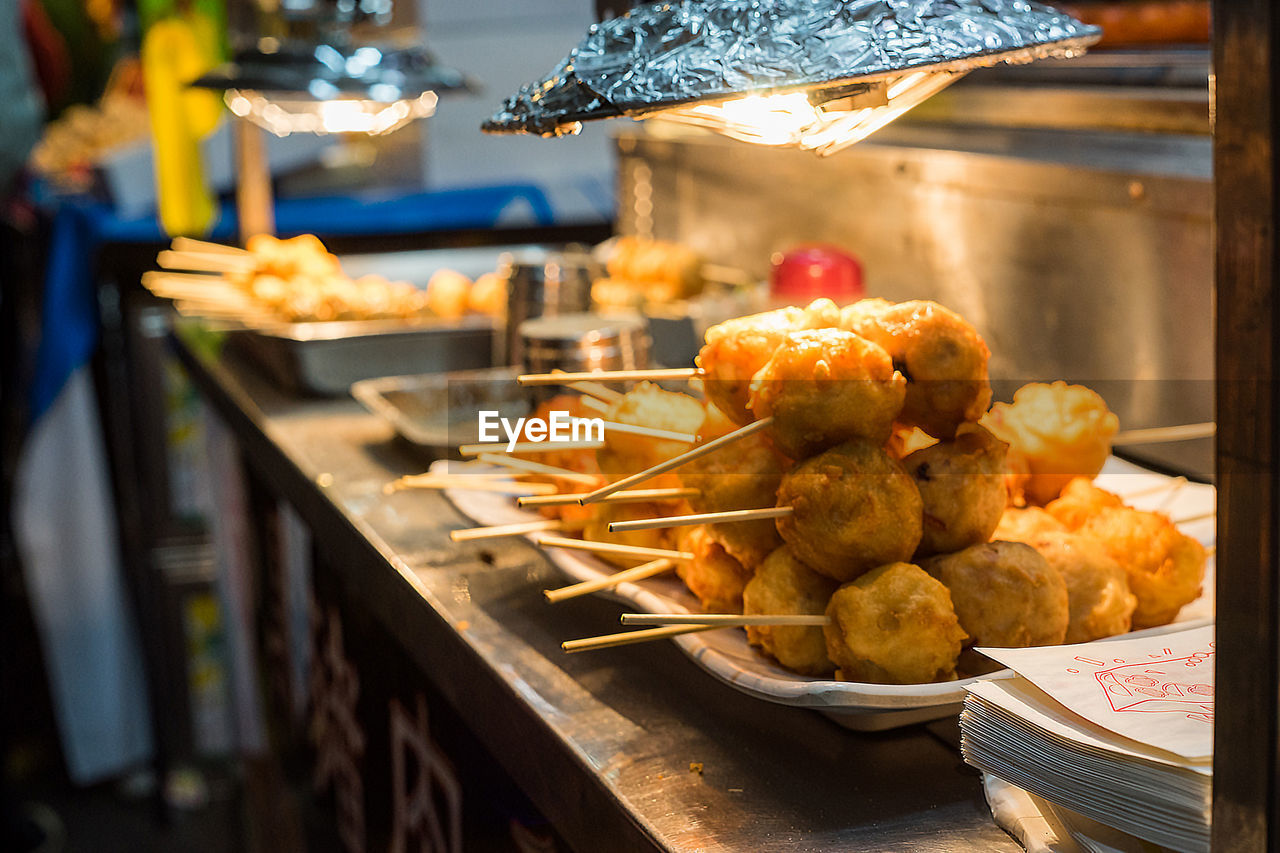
(1154, 690)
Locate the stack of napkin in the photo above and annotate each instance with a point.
(1119, 731)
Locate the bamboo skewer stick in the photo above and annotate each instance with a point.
(632, 496)
(1168, 485)
(475, 484)
(538, 468)
(207, 261)
(649, 432)
(627, 638)
(189, 244)
(612, 548)
(677, 461)
(640, 572)
(595, 404)
(1201, 516)
(723, 619)
(701, 518)
(608, 375)
(595, 389)
(499, 530)
(1156, 435)
(528, 447)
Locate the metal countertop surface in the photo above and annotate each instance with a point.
(601, 742)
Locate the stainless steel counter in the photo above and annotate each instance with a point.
(602, 743)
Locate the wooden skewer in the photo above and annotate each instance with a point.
(1156, 435)
(700, 518)
(192, 277)
(189, 244)
(595, 389)
(612, 548)
(207, 261)
(649, 432)
(640, 572)
(1168, 485)
(677, 461)
(629, 497)
(725, 619)
(1197, 517)
(529, 447)
(1211, 551)
(626, 638)
(499, 530)
(595, 404)
(608, 375)
(475, 484)
(538, 468)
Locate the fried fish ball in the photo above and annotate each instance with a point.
(736, 349)
(825, 386)
(1022, 524)
(854, 508)
(488, 295)
(648, 405)
(785, 585)
(716, 578)
(597, 529)
(961, 483)
(1056, 432)
(1080, 501)
(1165, 566)
(1006, 595)
(943, 358)
(894, 625)
(1098, 594)
(742, 475)
(447, 293)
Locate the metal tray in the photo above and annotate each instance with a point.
(326, 358)
(437, 412)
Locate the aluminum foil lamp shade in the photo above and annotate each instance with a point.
(818, 74)
(328, 89)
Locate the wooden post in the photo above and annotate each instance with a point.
(255, 206)
(1246, 164)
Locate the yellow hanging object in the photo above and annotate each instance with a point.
(172, 56)
(204, 106)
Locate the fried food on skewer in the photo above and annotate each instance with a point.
(1098, 595)
(854, 508)
(1006, 595)
(716, 578)
(1056, 432)
(1022, 524)
(961, 483)
(894, 625)
(648, 405)
(1080, 501)
(785, 585)
(943, 358)
(825, 386)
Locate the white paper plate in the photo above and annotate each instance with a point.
(727, 655)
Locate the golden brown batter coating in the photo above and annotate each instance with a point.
(893, 625)
(742, 475)
(1022, 524)
(736, 349)
(1056, 432)
(713, 576)
(1165, 566)
(650, 406)
(1081, 500)
(1006, 595)
(784, 585)
(855, 508)
(962, 485)
(825, 386)
(1097, 586)
(943, 358)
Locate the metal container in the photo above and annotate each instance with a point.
(326, 358)
(542, 284)
(584, 342)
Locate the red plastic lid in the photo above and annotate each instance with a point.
(804, 273)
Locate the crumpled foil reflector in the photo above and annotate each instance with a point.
(661, 56)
